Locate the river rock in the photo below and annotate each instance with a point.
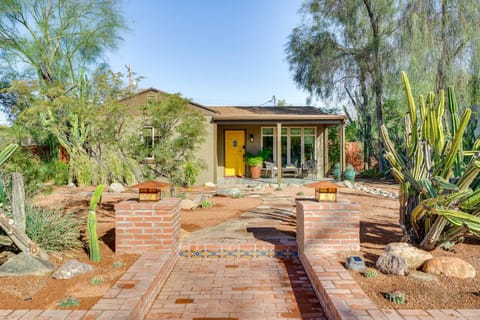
(415, 257)
(390, 263)
(116, 188)
(25, 264)
(450, 267)
(188, 204)
(232, 192)
(355, 263)
(210, 184)
(70, 269)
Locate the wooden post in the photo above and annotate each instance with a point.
(342, 150)
(18, 200)
(279, 153)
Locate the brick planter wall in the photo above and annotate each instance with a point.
(145, 226)
(328, 226)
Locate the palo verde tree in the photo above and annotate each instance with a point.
(436, 176)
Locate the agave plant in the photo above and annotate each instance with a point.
(437, 203)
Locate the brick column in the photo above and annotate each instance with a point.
(328, 226)
(144, 226)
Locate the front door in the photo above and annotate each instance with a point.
(234, 153)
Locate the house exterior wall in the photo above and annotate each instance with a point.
(206, 152)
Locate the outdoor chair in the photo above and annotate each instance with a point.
(270, 169)
(309, 167)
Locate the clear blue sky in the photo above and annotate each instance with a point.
(215, 52)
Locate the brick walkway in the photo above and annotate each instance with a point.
(267, 288)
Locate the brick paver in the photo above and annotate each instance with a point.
(237, 289)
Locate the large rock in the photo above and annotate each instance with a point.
(210, 184)
(188, 204)
(70, 269)
(116, 188)
(415, 257)
(390, 263)
(232, 192)
(450, 267)
(25, 264)
(423, 277)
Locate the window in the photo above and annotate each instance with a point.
(150, 138)
(298, 144)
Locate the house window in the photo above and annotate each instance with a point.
(298, 144)
(150, 138)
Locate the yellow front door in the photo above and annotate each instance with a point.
(234, 152)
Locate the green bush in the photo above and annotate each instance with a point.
(97, 280)
(52, 230)
(206, 204)
(69, 301)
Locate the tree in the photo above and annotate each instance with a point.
(342, 45)
(58, 40)
(178, 133)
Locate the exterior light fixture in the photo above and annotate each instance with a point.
(150, 190)
(325, 191)
(251, 137)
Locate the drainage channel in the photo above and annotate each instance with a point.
(266, 288)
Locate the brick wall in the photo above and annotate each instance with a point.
(328, 226)
(145, 226)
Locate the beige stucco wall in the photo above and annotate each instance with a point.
(206, 152)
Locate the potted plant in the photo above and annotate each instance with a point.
(255, 163)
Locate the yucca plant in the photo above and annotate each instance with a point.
(436, 201)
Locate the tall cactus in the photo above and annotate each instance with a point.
(93, 246)
(436, 202)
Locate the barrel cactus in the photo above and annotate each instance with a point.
(93, 245)
(436, 175)
(395, 296)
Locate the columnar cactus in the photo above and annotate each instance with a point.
(436, 202)
(93, 246)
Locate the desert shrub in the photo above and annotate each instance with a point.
(69, 301)
(52, 230)
(97, 280)
(117, 264)
(206, 204)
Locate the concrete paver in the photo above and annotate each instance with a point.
(237, 289)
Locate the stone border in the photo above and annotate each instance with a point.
(131, 297)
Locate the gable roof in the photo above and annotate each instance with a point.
(135, 101)
(263, 114)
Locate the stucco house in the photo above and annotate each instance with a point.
(234, 131)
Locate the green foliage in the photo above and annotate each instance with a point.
(52, 230)
(182, 196)
(69, 301)
(97, 280)
(395, 296)
(437, 203)
(117, 264)
(191, 172)
(93, 245)
(265, 154)
(206, 203)
(254, 161)
(300, 193)
(370, 273)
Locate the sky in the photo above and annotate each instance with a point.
(215, 52)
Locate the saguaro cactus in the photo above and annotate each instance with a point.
(436, 202)
(93, 246)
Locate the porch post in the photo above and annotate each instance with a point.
(215, 154)
(325, 151)
(342, 149)
(279, 153)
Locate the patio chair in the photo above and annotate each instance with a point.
(270, 169)
(309, 167)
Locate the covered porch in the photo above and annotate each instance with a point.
(301, 152)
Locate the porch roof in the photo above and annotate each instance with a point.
(274, 114)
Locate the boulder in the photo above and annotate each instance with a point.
(231, 192)
(188, 204)
(5, 255)
(210, 184)
(116, 188)
(390, 263)
(70, 269)
(450, 267)
(415, 257)
(25, 264)
(423, 277)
